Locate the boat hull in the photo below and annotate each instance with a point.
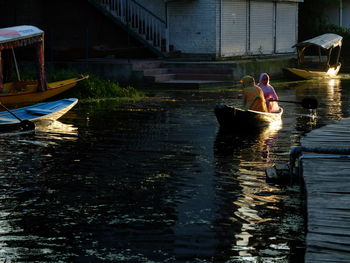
(36, 113)
(230, 117)
(313, 74)
(26, 91)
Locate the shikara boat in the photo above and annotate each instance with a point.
(317, 57)
(26, 91)
(11, 119)
(234, 118)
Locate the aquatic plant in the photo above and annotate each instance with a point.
(96, 88)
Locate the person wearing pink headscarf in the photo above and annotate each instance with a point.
(269, 93)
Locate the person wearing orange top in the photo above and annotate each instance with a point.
(253, 96)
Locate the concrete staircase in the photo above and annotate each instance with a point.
(138, 21)
(186, 75)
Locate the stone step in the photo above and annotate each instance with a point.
(192, 76)
(195, 70)
(159, 77)
(191, 84)
(145, 65)
(155, 71)
(187, 77)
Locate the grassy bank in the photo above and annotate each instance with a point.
(93, 88)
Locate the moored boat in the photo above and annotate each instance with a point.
(231, 117)
(318, 57)
(43, 111)
(26, 91)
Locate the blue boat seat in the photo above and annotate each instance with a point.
(2, 119)
(39, 111)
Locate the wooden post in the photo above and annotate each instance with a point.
(15, 60)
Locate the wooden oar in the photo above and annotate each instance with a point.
(307, 103)
(25, 125)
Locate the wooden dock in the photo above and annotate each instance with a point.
(325, 166)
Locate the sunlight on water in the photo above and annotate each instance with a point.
(56, 127)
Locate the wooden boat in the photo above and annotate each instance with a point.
(231, 117)
(318, 57)
(35, 113)
(26, 91)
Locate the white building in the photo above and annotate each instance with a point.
(219, 28)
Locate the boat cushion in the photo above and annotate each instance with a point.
(39, 111)
(6, 119)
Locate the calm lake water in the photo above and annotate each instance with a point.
(155, 181)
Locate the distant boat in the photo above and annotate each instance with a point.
(26, 91)
(318, 57)
(233, 118)
(43, 111)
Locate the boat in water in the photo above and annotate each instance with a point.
(46, 111)
(234, 118)
(317, 57)
(26, 91)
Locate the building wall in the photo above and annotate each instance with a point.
(261, 27)
(346, 14)
(334, 16)
(221, 28)
(227, 28)
(258, 27)
(192, 26)
(286, 27)
(234, 27)
(157, 7)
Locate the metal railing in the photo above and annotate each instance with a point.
(137, 18)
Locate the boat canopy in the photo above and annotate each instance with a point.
(19, 36)
(325, 41)
(22, 36)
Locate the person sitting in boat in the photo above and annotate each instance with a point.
(269, 93)
(253, 96)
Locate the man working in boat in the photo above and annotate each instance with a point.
(253, 96)
(269, 93)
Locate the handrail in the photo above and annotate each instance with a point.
(147, 25)
(148, 11)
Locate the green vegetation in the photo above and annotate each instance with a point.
(93, 88)
(99, 88)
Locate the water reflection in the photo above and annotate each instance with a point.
(327, 92)
(56, 130)
(251, 204)
(260, 139)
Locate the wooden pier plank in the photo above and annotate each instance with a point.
(327, 184)
(315, 256)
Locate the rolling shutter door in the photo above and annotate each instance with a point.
(261, 27)
(286, 26)
(233, 27)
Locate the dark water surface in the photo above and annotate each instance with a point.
(155, 181)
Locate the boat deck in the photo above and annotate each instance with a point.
(325, 164)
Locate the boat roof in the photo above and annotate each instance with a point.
(18, 36)
(326, 41)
